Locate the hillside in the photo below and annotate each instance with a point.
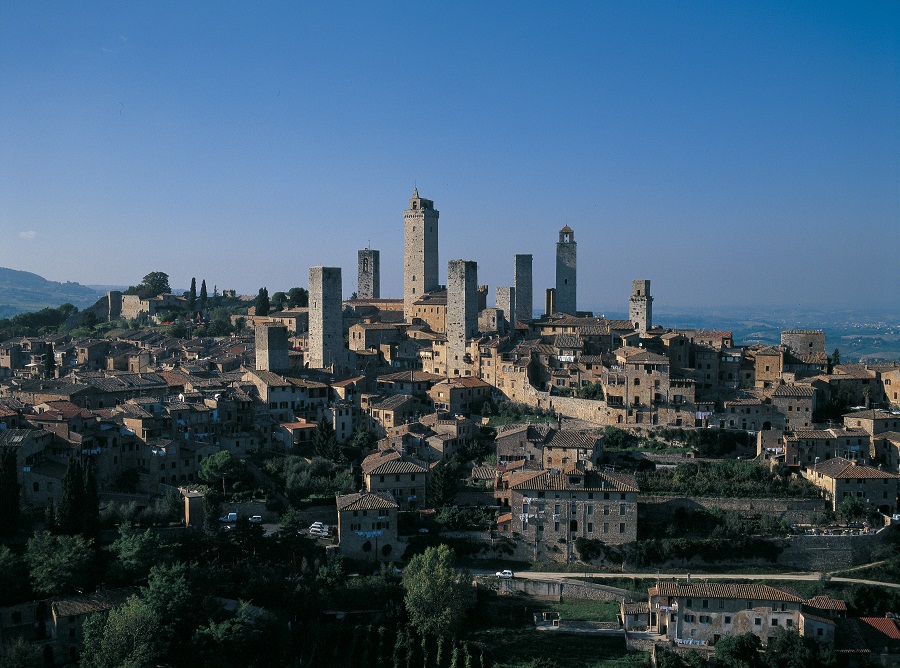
(22, 291)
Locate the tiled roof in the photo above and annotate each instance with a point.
(366, 501)
(636, 608)
(409, 377)
(593, 481)
(794, 391)
(841, 468)
(884, 625)
(90, 603)
(826, 603)
(390, 462)
(749, 592)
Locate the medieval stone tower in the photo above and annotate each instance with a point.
(565, 271)
(522, 282)
(462, 312)
(420, 251)
(271, 348)
(640, 306)
(506, 302)
(326, 342)
(369, 274)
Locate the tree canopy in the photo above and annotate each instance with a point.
(262, 302)
(437, 597)
(152, 285)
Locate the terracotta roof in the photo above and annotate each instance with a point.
(841, 468)
(556, 480)
(884, 625)
(90, 603)
(390, 462)
(366, 501)
(750, 592)
(794, 391)
(826, 603)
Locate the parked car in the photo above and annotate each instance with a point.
(505, 575)
(230, 517)
(256, 519)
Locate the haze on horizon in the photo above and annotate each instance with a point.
(744, 154)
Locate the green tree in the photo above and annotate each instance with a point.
(58, 564)
(220, 469)
(299, 297)
(130, 635)
(203, 296)
(741, 651)
(262, 302)
(836, 357)
(10, 504)
(788, 650)
(19, 653)
(70, 516)
(324, 442)
(153, 284)
(279, 299)
(852, 508)
(13, 578)
(436, 596)
(134, 552)
(443, 483)
(192, 298)
(90, 521)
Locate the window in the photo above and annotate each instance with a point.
(757, 622)
(789, 622)
(728, 619)
(721, 604)
(621, 510)
(705, 603)
(622, 527)
(590, 527)
(774, 621)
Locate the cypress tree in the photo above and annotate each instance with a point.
(91, 517)
(192, 298)
(203, 295)
(10, 510)
(50, 363)
(71, 507)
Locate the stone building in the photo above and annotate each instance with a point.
(420, 252)
(842, 478)
(462, 314)
(431, 309)
(640, 306)
(523, 285)
(553, 507)
(796, 403)
(368, 274)
(272, 348)
(367, 526)
(397, 474)
(566, 289)
(506, 302)
(326, 341)
(804, 341)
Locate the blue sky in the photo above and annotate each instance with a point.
(733, 153)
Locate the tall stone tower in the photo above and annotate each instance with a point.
(420, 251)
(326, 342)
(506, 301)
(550, 301)
(462, 312)
(522, 282)
(565, 271)
(640, 306)
(272, 348)
(369, 274)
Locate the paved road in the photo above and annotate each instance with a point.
(552, 575)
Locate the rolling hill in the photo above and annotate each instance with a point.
(22, 291)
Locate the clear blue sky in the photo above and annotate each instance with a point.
(733, 153)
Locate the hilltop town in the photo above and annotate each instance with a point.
(282, 443)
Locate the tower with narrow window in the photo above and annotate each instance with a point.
(369, 274)
(462, 312)
(640, 306)
(522, 283)
(326, 341)
(565, 271)
(420, 251)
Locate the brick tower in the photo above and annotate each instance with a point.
(369, 274)
(420, 251)
(326, 342)
(640, 306)
(565, 271)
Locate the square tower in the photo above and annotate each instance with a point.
(326, 342)
(565, 271)
(522, 283)
(420, 252)
(369, 274)
(506, 302)
(272, 348)
(640, 306)
(462, 312)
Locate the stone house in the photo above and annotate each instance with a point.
(873, 421)
(886, 449)
(796, 403)
(367, 526)
(554, 507)
(400, 475)
(841, 478)
(808, 447)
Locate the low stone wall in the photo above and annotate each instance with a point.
(661, 509)
(558, 589)
(827, 553)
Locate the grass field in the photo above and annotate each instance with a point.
(583, 610)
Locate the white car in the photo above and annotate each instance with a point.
(505, 575)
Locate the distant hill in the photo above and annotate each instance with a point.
(22, 292)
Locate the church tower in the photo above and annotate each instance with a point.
(565, 271)
(640, 306)
(420, 252)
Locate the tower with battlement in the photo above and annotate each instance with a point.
(368, 274)
(566, 292)
(522, 283)
(640, 306)
(326, 342)
(420, 252)
(462, 312)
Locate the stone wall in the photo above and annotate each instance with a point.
(559, 589)
(827, 553)
(661, 509)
